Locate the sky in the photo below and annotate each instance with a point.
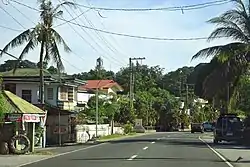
(87, 45)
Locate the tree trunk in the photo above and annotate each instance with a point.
(41, 74)
(112, 126)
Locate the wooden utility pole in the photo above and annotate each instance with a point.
(187, 96)
(99, 64)
(131, 81)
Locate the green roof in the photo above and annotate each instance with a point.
(5, 106)
(22, 72)
(19, 105)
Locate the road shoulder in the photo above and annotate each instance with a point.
(229, 153)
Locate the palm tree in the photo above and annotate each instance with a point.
(45, 36)
(229, 61)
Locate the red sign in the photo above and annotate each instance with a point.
(31, 118)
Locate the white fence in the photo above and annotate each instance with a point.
(103, 130)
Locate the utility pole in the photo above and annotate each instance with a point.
(186, 96)
(131, 81)
(99, 64)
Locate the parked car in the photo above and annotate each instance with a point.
(197, 127)
(208, 126)
(228, 127)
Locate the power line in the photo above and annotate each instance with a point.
(22, 13)
(129, 35)
(174, 8)
(72, 18)
(142, 37)
(12, 17)
(8, 28)
(105, 41)
(86, 41)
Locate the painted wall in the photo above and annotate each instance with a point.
(103, 130)
(83, 98)
(26, 86)
(55, 94)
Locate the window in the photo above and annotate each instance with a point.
(63, 93)
(50, 94)
(26, 95)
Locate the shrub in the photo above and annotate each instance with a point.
(128, 128)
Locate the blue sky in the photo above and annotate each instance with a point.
(168, 54)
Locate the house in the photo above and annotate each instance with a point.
(87, 90)
(60, 94)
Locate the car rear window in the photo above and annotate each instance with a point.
(228, 121)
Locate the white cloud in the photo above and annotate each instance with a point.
(168, 54)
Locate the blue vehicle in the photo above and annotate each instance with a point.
(208, 126)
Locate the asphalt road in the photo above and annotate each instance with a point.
(161, 149)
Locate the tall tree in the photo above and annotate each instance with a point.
(175, 80)
(10, 65)
(233, 57)
(46, 36)
(145, 77)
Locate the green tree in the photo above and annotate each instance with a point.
(233, 57)
(166, 106)
(45, 35)
(240, 101)
(174, 81)
(91, 109)
(94, 75)
(145, 77)
(125, 114)
(111, 108)
(53, 70)
(144, 110)
(10, 65)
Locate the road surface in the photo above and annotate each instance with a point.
(173, 149)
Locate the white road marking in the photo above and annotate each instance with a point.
(158, 139)
(58, 155)
(153, 142)
(145, 148)
(217, 153)
(132, 157)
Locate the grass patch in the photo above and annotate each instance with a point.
(111, 136)
(42, 152)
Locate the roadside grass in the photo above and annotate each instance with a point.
(41, 152)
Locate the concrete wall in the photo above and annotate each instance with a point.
(27, 86)
(83, 98)
(103, 130)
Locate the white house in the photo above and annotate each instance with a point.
(86, 91)
(60, 96)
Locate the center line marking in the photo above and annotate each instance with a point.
(153, 142)
(132, 157)
(145, 148)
